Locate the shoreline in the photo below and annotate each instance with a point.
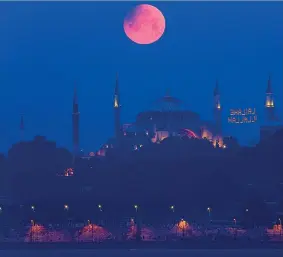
(182, 245)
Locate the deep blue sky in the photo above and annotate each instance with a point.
(45, 47)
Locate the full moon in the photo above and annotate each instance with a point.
(145, 24)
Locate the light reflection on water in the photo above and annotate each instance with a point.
(141, 253)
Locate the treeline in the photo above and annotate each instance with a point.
(187, 173)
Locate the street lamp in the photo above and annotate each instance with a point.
(92, 232)
(172, 208)
(136, 207)
(33, 208)
(235, 221)
(31, 230)
(66, 207)
(100, 207)
(209, 211)
(1, 209)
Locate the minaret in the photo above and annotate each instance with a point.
(269, 102)
(117, 107)
(22, 127)
(217, 109)
(76, 116)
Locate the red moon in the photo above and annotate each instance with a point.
(145, 24)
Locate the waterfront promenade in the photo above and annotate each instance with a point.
(143, 253)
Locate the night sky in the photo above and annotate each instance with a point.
(45, 47)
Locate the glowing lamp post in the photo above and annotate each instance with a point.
(172, 209)
(33, 208)
(182, 227)
(138, 233)
(1, 209)
(209, 212)
(235, 222)
(100, 209)
(136, 208)
(92, 232)
(66, 209)
(31, 230)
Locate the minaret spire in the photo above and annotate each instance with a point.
(269, 102)
(116, 93)
(217, 109)
(216, 89)
(269, 89)
(117, 107)
(76, 116)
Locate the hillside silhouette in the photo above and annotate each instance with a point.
(189, 173)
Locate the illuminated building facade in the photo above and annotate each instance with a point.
(166, 119)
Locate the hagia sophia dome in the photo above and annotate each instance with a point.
(168, 117)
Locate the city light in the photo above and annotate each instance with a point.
(209, 211)
(33, 208)
(66, 207)
(100, 207)
(136, 207)
(172, 207)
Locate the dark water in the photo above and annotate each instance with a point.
(141, 253)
